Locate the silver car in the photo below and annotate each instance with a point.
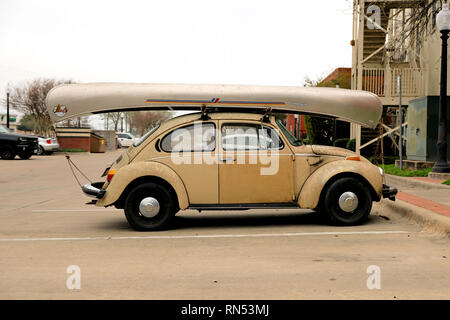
(47, 145)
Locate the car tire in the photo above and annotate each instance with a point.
(41, 151)
(48, 153)
(339, 206)
(7, 153)
(25, 155)
(143, 213)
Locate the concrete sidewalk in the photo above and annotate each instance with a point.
(423, 200)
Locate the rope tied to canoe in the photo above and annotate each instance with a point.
(72, 165)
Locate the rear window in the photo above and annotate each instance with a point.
(196, 137)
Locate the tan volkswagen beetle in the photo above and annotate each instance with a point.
(233, 154)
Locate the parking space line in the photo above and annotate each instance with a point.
(76, 210)
(217, 236)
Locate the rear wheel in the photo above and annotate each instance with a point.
(347, 201)
(149, 206)
(41, 151)
(7, 153)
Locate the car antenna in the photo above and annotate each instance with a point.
(204, 115)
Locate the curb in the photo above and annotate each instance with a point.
(398, 181)
(430, 221)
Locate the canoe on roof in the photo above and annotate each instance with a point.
(73, 100)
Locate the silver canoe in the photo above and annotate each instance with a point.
(72, 100)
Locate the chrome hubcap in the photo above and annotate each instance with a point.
(149, 207)
(348, 201)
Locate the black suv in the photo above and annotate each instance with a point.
(12, 144)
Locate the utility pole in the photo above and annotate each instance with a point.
(7, 110)
(400, 115)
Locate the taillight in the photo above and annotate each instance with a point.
(49, 141)
(111, 174)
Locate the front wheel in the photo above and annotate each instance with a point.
(347, 201)
(7, 153)
(149, 207)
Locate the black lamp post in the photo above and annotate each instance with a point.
(7, 109)
(443, 24)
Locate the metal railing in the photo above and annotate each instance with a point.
(383, 81)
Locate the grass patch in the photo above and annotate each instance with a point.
(392, 169)
(447, 182)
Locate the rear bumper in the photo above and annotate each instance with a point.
(94, 190)
(50, 147)
(389, 192)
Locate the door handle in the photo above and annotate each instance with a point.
(227, 159)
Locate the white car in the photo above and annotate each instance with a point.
(47, 145)
(125, 139)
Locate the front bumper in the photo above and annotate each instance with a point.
(94, 190)
(389, 192)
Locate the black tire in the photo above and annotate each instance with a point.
(41, 151)
(25, 155)
(166, 207)
(7, 153)
(331, 209)
(48, 153)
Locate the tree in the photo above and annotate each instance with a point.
(26, 123)
(322, 130)
(143, 121)
(30, 99)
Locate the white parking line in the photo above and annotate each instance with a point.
(257, 235)
(77, 210)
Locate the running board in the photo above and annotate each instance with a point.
(245, 206)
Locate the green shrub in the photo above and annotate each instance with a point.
(351, 144)
(305, 141)
(341, 143)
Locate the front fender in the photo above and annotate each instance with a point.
(127, 174)
(309, 194)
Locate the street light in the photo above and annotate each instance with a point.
(7, 109)
(443, 24)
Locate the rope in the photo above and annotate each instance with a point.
(71, 163)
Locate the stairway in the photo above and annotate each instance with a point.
(375, 38)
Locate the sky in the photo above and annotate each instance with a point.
(277, 42)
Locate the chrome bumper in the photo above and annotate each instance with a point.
(389, 192)
(94, 190)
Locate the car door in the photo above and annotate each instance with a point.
(255, 164)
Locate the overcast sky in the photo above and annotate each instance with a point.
(240, 42)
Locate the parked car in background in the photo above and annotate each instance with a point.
(12, 144)
(125, 139)
(47, 145)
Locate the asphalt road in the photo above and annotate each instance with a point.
(45, 227)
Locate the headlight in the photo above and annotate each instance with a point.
(381, 171)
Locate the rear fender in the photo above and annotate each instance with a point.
(129, 173)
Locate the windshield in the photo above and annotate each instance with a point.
(4, 129)
(292, 140)
(145, 136)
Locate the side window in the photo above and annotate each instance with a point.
(197, 137)
(269, 139)
(249, 137)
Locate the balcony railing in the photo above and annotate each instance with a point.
(383, 81)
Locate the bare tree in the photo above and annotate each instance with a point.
(30, 99)
(143, 121)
